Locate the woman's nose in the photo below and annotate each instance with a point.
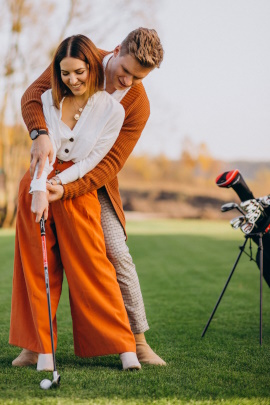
(73, 79)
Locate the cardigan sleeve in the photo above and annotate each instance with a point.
(137, 109)
(31, 104)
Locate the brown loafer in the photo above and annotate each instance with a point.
(144, 352)
(25, 358)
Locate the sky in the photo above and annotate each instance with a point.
(214, 84)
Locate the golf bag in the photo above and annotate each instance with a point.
(235, 180)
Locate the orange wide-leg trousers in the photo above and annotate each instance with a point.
(75, 243)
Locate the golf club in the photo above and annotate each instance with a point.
(247, 228)
(46, 384)
(235, 180)
(229, 206)
(237, 222)
(256, 213)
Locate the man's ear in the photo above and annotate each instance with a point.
(117, 50)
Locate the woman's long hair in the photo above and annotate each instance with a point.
(79, 47)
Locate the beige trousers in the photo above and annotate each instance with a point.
(118, 254)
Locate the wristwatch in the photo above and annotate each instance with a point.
(36, 132)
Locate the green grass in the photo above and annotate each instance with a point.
(182, 266)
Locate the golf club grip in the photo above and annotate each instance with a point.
(44, 249)
(235, 180)
(42, 226)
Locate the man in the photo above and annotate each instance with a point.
(125, 68)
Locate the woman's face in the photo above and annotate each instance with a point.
(74, 74)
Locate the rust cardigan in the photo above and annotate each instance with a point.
(137, 111)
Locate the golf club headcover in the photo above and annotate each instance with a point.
(235, 180)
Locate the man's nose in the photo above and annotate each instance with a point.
(128, 80)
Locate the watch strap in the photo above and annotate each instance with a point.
(36, 132)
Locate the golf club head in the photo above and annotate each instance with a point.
(265, 201)
(237, 222)
(253, 210)
(231, 205)
(56, 380)
(247, 228)
(235, 180)
(228, 206)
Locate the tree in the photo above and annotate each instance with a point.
(30, 32)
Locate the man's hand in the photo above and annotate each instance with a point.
(40, 205)
(41, 148)
(56, 192)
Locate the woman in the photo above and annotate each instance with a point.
(83, 122)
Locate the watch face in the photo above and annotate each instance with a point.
(33, 134)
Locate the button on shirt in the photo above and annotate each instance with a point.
(87, 143)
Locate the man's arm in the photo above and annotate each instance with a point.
(33, 117)
(137, 109)
(31, 103)
(137, 114)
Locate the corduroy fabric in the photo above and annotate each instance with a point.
(137, 111)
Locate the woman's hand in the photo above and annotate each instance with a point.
(40, 205)
(56, 192)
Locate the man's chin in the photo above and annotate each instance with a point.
(122, 87)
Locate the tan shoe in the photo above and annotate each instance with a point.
(144, 352)
(25, 358)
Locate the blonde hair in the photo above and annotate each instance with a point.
(144, 44)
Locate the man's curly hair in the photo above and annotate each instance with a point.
(144, 44)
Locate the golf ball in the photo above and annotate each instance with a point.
(45, 384)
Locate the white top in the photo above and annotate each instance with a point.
(87, 143)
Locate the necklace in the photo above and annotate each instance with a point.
(80, 109)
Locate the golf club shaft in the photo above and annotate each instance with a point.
(46, 273)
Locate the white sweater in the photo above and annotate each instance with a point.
(87, 143)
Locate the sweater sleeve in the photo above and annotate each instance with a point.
(31, 104)
(137, 109)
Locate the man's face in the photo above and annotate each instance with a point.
(125, 71)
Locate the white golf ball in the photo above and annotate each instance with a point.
(45, 384)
